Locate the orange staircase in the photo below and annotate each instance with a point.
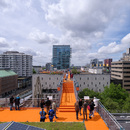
(68, 97)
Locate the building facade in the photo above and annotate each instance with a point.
(8, 82)
(95, 82)
(49, 66)
(107, 62)
(45, 85)
(20, 63)
(61, 56)
(120, 73)
(95, 63)
(126, 56)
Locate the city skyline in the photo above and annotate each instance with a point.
(93, 29)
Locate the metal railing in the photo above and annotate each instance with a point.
(108, 118)
(60, 84)
(76, 84)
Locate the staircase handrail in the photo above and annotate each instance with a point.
(76, 84)
(108, 117)
(60, 84)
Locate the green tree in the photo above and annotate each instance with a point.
(126, 106)
(88, 92)
(34, 72)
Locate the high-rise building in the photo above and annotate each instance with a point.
(107, 62)
(126, 56)
(20, 63)
(61, 56)
(120, 73)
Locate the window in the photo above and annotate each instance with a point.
(57, 78)
(88, 85)
(80, 85)
(92, 83)
(53, 83)
(95, 85)
(84, 83)
(95, 78)
(99, 83)
(80, 78)
(46, 83)
(88, 78)
(49, 78)
(103, 78)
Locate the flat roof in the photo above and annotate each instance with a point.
(6, 73)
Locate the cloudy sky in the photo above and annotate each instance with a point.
(93, 28)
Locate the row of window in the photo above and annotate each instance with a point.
(95, 78)
(92, 84)
(49, 78)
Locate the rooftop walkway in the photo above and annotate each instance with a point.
(65, 112)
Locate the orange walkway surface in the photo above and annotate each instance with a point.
(32, 115)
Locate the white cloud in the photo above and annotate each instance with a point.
(3, 43)
(116, 47)
(43, 37)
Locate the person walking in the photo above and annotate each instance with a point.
(17, 102)
(11, 102)
(91, 108)
(85, 110)
(51, 114)
(80, 106)
(48, 104)
(77, 109)
(54, 108)
(43, 115)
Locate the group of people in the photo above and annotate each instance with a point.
(51, 109)
(87, 104)
(15, 100)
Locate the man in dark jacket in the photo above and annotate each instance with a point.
(17, 102)
(48, 104)
(11, 102)
(91, 108)
(80, 106)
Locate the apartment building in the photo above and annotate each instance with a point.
(120, 73)
(20, 63)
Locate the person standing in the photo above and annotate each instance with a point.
(54, 108)
(17, 102)
(42, 103)
(67, 76)
(43, 115)
(51, 114)
(48, 104)
(11, 102)
(77, 109)
(96, 104)
(85, 110)
(80, 106)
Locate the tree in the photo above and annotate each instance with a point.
(88, 92)
(34, 72)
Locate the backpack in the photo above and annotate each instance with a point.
(43, 114)
(51, 113)
(88, 107)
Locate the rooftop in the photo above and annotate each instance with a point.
(6, 73)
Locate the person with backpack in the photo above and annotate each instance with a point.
(11, 102)
(51, 114)
(85, 110)
(48, 104)
(17, 102)
(43, 115)
(77, 109)
(54, 108)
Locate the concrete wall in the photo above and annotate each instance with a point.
(95, 82)
(48, 81)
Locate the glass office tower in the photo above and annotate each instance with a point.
(61, 56)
